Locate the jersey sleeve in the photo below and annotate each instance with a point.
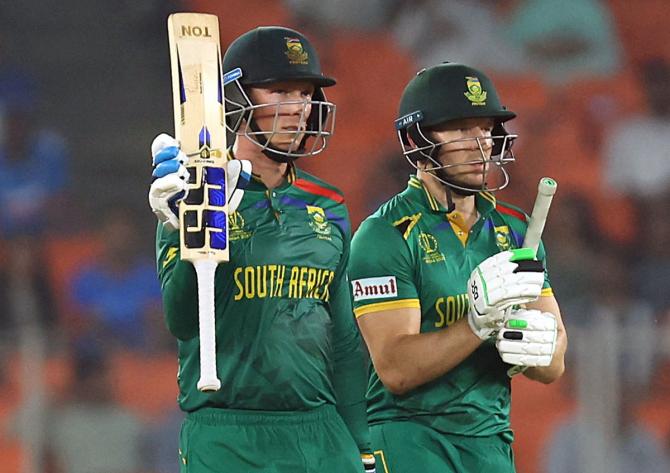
(349, 363)
(178, 286)
(381, 269)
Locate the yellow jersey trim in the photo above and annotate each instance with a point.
(385, 467)
(547, 291)
(490, 197)
(391, 305)
(414, 219)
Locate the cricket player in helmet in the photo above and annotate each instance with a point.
(268, 57)
(449, 303)
(447, 95)
(289, 354)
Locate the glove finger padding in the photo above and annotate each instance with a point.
(528, 338)
(164, 194)
(170, 180)
(500, 282)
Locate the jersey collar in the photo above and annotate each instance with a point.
(255, 183)
(485, 201)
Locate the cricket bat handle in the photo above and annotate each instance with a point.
(545, 193)
(205, 270)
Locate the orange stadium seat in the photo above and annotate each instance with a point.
(654, 411)
(371, 72)
(537, 410)
(57, 377)
(238, 16)
(146, 385)
(63, 257)
(12, 456)
(522, 93)
(643, 28)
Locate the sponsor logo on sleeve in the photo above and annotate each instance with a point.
(384, 287)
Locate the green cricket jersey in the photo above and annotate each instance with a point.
(412, 254)
(286, 336)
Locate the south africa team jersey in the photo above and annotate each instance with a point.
(412, 254)
(285, 332)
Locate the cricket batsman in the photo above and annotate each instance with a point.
(289, 354)
(449, 303)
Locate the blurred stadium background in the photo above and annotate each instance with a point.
(87, 370)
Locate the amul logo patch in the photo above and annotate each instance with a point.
(384, 287)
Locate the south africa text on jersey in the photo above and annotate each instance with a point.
(278, 280)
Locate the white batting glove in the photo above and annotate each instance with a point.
(528, 338)
(171, 177)
(500, 282)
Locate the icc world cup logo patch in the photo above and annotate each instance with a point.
(475, 94)
(428, 244)
(236, 230)
(295, 52)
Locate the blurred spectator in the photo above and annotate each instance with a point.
(463, 31)
(162, 445)
(651, 270)
(564, 40)
(25, 290)
(341, 14)
(33, 161)
(117, 295)
(614, 352)
(90, 433)
(637, 158)
(572, 237)
(605, 435)
(388, 177)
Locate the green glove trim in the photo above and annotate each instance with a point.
(519, 254)
(516, 323)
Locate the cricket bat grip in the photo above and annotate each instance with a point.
(205, 270)
(545, 193)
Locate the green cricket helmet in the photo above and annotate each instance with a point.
(447, 92)
(268, 55)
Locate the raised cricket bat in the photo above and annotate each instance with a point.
(546, 189)
(197, 92)
(545, 193)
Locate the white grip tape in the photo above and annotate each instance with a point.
(545, 193)
(205, 270)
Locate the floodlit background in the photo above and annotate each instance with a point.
(87, 369)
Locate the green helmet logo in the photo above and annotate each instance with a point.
(475, 93)
(295, 52)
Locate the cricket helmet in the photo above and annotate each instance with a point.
(446, 92)
(267, 55)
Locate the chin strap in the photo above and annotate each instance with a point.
(450, 202)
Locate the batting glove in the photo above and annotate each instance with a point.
(500, 282)
(171, 175)
(527, 338)
(368, 463)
